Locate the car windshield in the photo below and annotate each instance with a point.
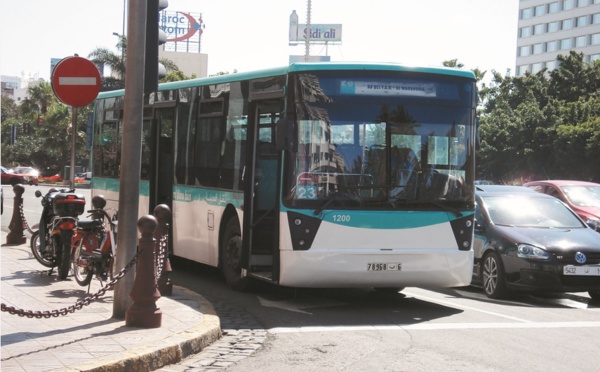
(522, 211)
(583, 196)
(21, 170)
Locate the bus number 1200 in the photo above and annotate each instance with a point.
(341, 218)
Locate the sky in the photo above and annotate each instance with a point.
(244, 35)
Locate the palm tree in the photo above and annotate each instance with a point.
(116, 63)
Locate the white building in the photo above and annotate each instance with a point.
(548, 28)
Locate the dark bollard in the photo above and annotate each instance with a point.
(143, 312)
(16, 236)
(163, 215)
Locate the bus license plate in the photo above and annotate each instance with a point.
(589, 270)
(387, 266)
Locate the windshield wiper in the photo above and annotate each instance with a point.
(337, 195)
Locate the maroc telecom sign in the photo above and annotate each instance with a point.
(184, 30)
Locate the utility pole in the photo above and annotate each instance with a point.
(307, 45)
(129, 186)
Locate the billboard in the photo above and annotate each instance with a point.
(318, 32)
(184, 31)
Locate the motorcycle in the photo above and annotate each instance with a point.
(94, 245)
(51, 243)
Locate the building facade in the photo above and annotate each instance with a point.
(548, 28)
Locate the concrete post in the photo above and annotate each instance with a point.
(16, 236)
(143, 312)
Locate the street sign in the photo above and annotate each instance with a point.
(76, 81)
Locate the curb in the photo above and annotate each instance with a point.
(170, 350)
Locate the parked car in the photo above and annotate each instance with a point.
(507, 188)
(582, 197)
(484, 182)
(84, 178)
(9, 177)
(530, 241)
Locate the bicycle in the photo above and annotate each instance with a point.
(94, 245)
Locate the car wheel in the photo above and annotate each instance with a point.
(494, 278)
(595, 295)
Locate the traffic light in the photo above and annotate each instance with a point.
(154, 38)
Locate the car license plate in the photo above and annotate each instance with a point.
(384, 266)
(588, 270)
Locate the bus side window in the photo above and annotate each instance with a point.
(208, 149)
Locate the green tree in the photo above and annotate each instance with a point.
(117, 62)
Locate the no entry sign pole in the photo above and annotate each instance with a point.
(76, 82)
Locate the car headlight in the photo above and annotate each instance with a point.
(594, 223)
(532, 252)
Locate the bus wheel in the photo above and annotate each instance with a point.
(231, 256)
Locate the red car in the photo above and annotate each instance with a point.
(10, 177)
(583, 197)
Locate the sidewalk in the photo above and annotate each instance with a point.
(90, 339)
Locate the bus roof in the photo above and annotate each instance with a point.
(299, 67)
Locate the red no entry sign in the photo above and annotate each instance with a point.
(76, 81)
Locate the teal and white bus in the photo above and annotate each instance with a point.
(309, 175)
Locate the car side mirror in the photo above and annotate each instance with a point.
(38, 193)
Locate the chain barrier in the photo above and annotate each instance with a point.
(78, 305)
(160, 257)
(25, 224)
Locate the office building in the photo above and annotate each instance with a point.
(548, 28)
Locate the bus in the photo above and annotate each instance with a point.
(310, 175)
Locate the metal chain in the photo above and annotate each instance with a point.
(78, 305)
(160, 257)
(25, 224)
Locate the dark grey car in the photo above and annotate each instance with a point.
(533, 242)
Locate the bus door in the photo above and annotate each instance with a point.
(261, 210)
(161, 175)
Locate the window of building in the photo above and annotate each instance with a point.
(580, 41)
(594, 57)
(551, 65)
(567, 24)
(568, 4)
(596, 18)
(524, 51)
(553, 26)
(521, 70)
(595, 39)
(565, 44)
(582, 3)
(595, 1)
(537, 67)
(582, 21)
(554, 7)
(539, 10)
(526, 13)
(539, 29)
(538, 48)
(525, 32)
(552, 46)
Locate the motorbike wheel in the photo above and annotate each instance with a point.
(45, 258)
(64, 262)
(81, 268)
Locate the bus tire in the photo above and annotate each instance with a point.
(231, 256)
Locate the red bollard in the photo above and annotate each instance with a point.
(163, 215)
(143, 312)
(16, 236)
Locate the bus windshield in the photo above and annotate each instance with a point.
(381, 140)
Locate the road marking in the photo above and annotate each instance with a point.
(437, 327)
(464, 307)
